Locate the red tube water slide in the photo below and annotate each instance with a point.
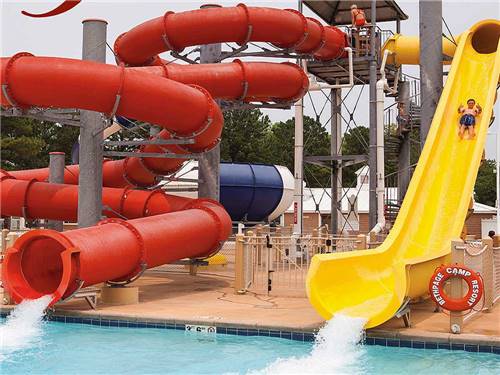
(66, 83)
(45, 262)
(48, 262)
(38, 200)
(241, 24)
(245, 81)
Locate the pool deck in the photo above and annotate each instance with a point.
(178, 298)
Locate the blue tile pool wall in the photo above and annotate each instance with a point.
(418, 344)
(290, 335)
(240, 331)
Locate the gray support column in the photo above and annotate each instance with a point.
(404, 151)
(91, 125)
(209, 162)
(154, 130)
(372, 214)
(431, 61)
(56, 176)
(335, 149)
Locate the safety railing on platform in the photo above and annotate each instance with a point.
(277, 264)
(384, 35)
(482, 256)
(361, 46)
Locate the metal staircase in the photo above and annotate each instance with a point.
(394, 137)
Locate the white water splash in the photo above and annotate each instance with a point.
(336, 351)
(23, 327)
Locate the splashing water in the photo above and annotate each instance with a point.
(335, 351)
(23, 327)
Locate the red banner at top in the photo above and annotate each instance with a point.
(64, 7)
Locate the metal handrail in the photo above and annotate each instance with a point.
(400, 170)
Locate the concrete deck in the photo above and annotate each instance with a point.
(204, 299)
(481, 328)
(210, 300)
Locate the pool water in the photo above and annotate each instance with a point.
(85, 349)
(30, 345)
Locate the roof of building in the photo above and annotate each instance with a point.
(319, 199)
(339, 12)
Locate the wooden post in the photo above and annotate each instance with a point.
(193, 269)
(488, 274)
(7, 241)
(258, 234)
(496, 241)
(315, 242)
(373, 239)
(495, 252)
(456, 286)
(5, 232)
(361, 242)
(11, 238)
(239, 265)
(279, 244)
(325, 238)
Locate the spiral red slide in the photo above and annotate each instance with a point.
(178, 98)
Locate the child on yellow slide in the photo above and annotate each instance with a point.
(468, 118)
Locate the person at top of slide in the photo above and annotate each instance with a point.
(468, 118)
(357, 16)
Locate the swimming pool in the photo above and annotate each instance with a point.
(61, 348)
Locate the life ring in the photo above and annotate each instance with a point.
(445, 272)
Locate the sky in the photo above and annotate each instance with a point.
(61, 36)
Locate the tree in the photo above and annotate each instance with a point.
(280, 143)
(485, 188)
(243, 136)
(26, 143)
(356, 141)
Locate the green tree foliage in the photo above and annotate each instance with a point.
(355, 142)
(244, 136)
(485, 188)
(280, 143)
(249, 136)
(26, 143)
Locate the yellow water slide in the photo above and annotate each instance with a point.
(375, 283)
(407, 49)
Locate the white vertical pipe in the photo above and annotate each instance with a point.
(298, 167)
(380, 154)
(372, 152)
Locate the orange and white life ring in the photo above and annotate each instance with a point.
(472, 278)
